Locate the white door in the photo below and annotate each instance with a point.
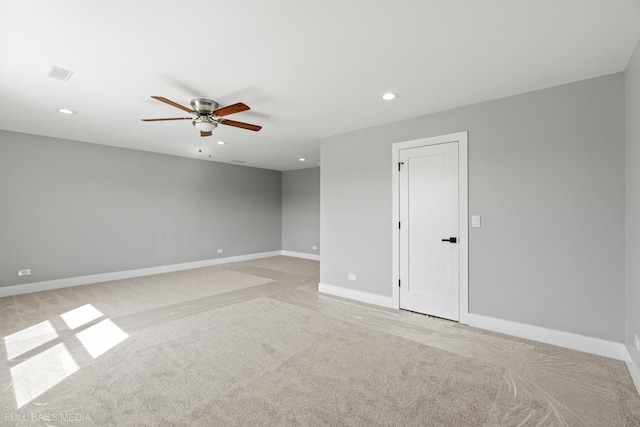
(429, 224)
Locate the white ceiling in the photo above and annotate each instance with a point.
(307, 69)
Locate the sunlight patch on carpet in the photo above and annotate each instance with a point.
(101, 337)
(29, 338)
(40, 373)
(81, 316)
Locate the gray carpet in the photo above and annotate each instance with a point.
(355, 376)
(254, 343)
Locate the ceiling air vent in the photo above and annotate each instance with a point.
(60, 73)
(240, 162)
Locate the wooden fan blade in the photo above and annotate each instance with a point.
(171, 118)
(248, 126)
(205, 133)
(231, 109)
(174, 104)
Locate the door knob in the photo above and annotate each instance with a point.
(451, 239)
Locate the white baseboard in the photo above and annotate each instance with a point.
(118, 275)
(356, 295)
(633, 370)
(313, 257)
(591, 345)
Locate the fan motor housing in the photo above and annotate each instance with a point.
(203, 105)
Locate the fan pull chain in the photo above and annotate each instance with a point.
(209, 147)
(200, 150)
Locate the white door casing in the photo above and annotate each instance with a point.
(437, 208)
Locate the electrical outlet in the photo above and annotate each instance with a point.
(315, 248)
(26, 272)
(220, 251)
(637, 342)
(352, 277)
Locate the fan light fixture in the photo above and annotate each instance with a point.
(204, 124)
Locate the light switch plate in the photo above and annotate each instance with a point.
(475, 221)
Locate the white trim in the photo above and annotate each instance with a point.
(583, 343)
(360, 296)
(314, 257)
(118, 275)
(463, 208)
(633, 370)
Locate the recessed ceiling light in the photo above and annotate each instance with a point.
(221, 143)
(65, 111)
(302, 159)
(389, 96)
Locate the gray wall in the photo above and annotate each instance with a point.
(72, 209)
(546, 172)
(632, 86)
(301, 210)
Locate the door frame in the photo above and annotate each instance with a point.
(463, 214)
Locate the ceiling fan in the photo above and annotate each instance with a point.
(207, 115)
